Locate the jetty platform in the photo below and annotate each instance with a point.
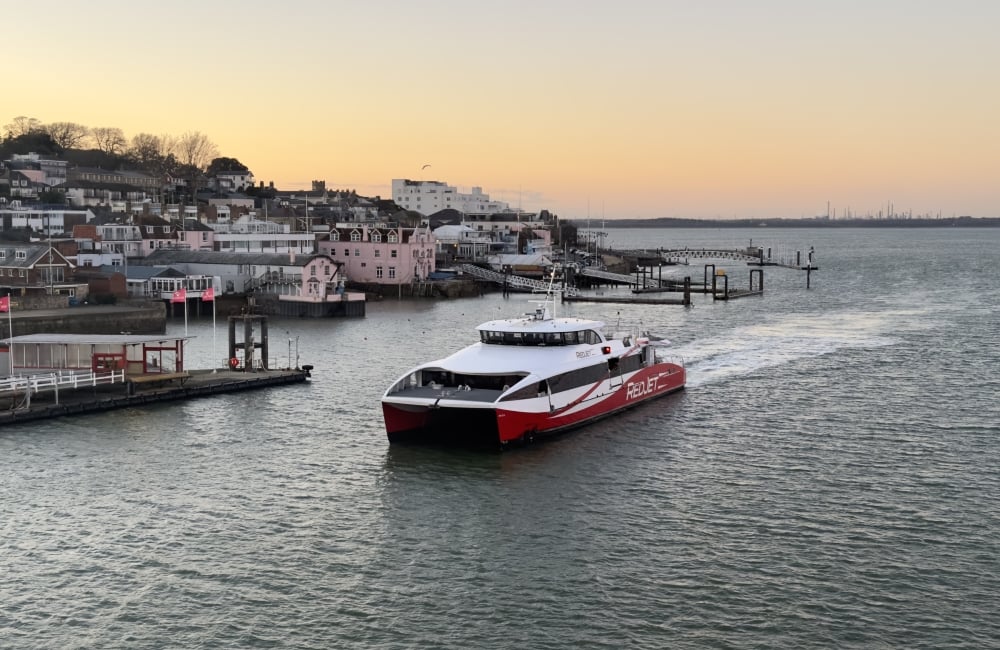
(45, 400)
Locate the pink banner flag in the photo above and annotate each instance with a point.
(5, 304)
(208, 294)
(179, 296)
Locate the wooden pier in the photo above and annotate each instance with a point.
(24, 405)
(57, 375)
(640, 265)
(630, 299)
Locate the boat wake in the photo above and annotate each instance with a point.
(745, 350)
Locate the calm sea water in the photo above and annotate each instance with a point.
(831, 478)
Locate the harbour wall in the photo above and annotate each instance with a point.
(148, 318)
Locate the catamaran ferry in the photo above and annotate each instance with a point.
(528, 377)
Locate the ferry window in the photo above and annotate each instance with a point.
(631, 363)
(528, 392)
(436, 378)
(553, 338)
(570, 338)
(577, 378)
(493, 337)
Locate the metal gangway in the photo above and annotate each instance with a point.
(648, 282)
(513, 281)
(752, 255)
(683, 255)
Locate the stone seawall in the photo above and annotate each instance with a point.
(149, 318)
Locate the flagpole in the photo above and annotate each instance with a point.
(214, 358)
(10, 348)
(185, 314)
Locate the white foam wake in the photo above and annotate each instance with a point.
(745, 350)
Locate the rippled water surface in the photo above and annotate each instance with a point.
(829, 479)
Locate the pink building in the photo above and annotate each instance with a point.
(381, 254)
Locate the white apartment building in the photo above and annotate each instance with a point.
(250, 235)
(428, 197)
(47, 221)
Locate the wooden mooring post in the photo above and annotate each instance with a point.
(809, 267)
(250, 345)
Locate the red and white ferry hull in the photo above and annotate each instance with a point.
(503, 423)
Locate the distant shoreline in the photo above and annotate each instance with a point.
(664, 222)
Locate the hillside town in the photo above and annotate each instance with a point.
(75, 234)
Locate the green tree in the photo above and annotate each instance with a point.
(226, 165)
(34, 142)
(52, 197)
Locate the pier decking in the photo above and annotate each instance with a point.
(21, 404)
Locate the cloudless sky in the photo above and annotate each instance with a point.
(621, 108)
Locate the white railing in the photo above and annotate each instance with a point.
(57, 380)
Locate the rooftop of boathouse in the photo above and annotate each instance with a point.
(134, 353)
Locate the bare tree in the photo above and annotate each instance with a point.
(110, 140)
(67, 135)
(146, 148)
(168, 145)
(195, 149)
(22, 125)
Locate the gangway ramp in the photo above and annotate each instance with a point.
(512, 281)
(647, 282)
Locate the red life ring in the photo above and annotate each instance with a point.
(234, 362)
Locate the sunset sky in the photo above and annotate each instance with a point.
(609, 109)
